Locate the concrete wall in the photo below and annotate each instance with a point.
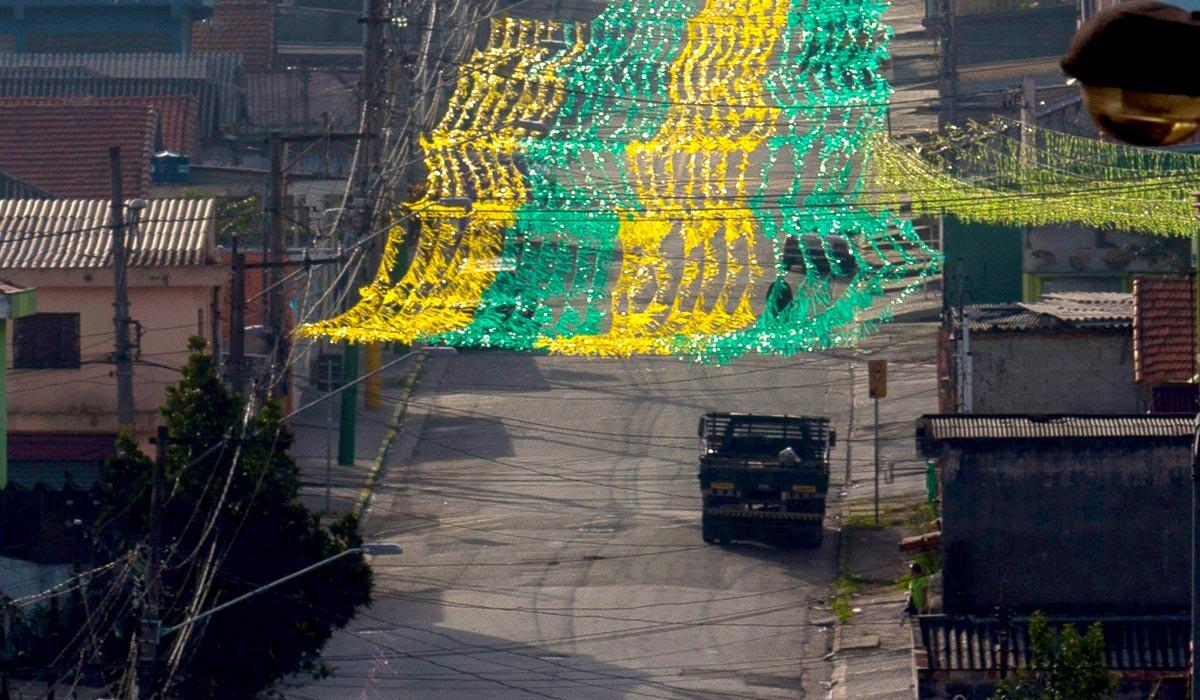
(171, 305)
(1028, 372)
(1067, 526)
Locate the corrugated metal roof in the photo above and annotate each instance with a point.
(947, 427)
(303, 98)
(972, 643)
(212, 79)
(1164, 329)
(1061, 311)
(73, 233)
(221, 68)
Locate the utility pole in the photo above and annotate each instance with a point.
(375, 58)
(150, 628)
(237, 319)
(1028, 120)
(366, 171)
(877, 389)
(273, 300)
(948, 44)
(121, 321)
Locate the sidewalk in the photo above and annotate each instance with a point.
(872, 656)
(315, 448)
(872, 652)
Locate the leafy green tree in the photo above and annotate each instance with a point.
(232, 522)
(1063, 666)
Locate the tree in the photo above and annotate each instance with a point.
(1063, 665)
(231, 523)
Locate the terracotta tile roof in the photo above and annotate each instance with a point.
(73, 233)
(245, 27)
(64, 149)
(177, 114)
(1164, 329)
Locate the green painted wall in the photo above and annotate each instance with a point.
(983, 262)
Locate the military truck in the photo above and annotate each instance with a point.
(764, 478)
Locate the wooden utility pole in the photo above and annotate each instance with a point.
(366, 172)
(948, 54)
(375, 58)
(237, 319)
(273, 300)
(1028, 120)
(121, 355)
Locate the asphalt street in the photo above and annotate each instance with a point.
(549, 514)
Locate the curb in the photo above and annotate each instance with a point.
(843, 559)
(406, 389)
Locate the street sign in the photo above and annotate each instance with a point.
(877, 387)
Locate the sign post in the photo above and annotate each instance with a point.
(877, 388)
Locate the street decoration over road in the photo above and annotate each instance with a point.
(982, 173)
(681, 177)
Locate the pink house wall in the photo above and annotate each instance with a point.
(171, 304)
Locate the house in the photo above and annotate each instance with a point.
(1082, 259)
(112, 26)
(1069, 353)
(62, 395)
(319, 34)
(63, 148)
(211, 79)
(176, 115)
(997, 264)
(1037, 509)
(1086, 518)
(15, 303)
(242, 27)
(1164, 342)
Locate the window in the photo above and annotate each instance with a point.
(46, 341)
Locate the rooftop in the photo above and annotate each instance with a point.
(970, 643)
(244, 27)
(1164, 329)
(194, 5)
(63, 149)
(963, 427)
(1061, 311)
(221, 68)
(176, 114)
(74, 233)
